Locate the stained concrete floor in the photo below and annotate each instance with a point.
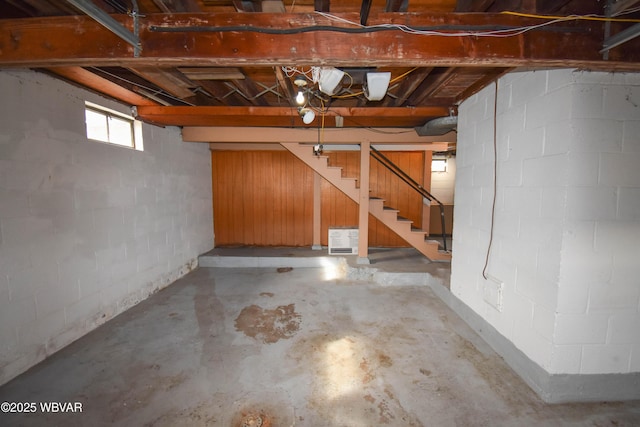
(283, 347)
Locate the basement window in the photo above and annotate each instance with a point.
(112, 127)
(439, 165)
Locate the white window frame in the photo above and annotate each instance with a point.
(135, 126)
(438, 165)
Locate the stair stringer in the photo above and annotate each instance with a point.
(389, 217)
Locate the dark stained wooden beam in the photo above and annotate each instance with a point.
(247, 6)
(226, 39)
(431, 86)
(222, 93)
(178, 5)
(212, 73)
(272, 6)
(171, 81)
(397, 6)
(365, 9)
(473, 5)
(487, 78)
(287, 116)
(160, 4)
(407, 87)
(321, 5)
(251, 93)
(285, 84)
(550, 6)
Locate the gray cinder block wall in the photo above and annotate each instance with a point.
(563, 279)
(87, 229)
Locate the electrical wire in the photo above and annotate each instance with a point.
(392, 81)
(495, 181)
(138, 85)
(575, 17)
(375, 130)
(446, 30)
(322, 125)
(435, 30)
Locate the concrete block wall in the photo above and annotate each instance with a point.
(562, 270)
(87, 229)
(443, 183)
(598, 313)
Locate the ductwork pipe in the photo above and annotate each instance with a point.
(438, 126)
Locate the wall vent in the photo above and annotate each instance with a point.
(343, 241)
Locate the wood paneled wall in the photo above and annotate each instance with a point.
(261, 198)
(265, 198)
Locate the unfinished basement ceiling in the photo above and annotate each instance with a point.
(234, 63)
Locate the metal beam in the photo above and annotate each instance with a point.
(107, 21)
(622, 5)
(621, 37)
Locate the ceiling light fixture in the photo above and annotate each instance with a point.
(301, 82)
(376, 85)
(307, 115)
(329, 80)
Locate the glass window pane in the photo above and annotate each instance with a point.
(120, 131)
(439, 165)
(96, 125)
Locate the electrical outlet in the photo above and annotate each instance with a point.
(492, 292)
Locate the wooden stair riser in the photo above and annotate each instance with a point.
(389, 217)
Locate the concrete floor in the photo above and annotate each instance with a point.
(283, 347)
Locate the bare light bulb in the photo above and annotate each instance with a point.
(300, 98)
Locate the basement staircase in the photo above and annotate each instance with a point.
(388, 216)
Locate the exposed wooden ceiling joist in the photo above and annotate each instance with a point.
(207, 39)
(407, 87)
(212, 73)
(288, 116)
(473, 5)
(332, 136)
(432, 85)
(550, 6)
(285, 84)
(167, 80)
(397, 6)
(321, 5)
(92, 81)
(365, 9)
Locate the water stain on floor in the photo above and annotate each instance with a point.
(268, 326)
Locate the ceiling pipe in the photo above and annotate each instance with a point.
(438, 126)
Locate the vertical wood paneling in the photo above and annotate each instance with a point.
(265, 198)
(261, 198)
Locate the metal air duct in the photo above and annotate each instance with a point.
(438, 126)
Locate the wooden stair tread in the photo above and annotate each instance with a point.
(399, 224)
